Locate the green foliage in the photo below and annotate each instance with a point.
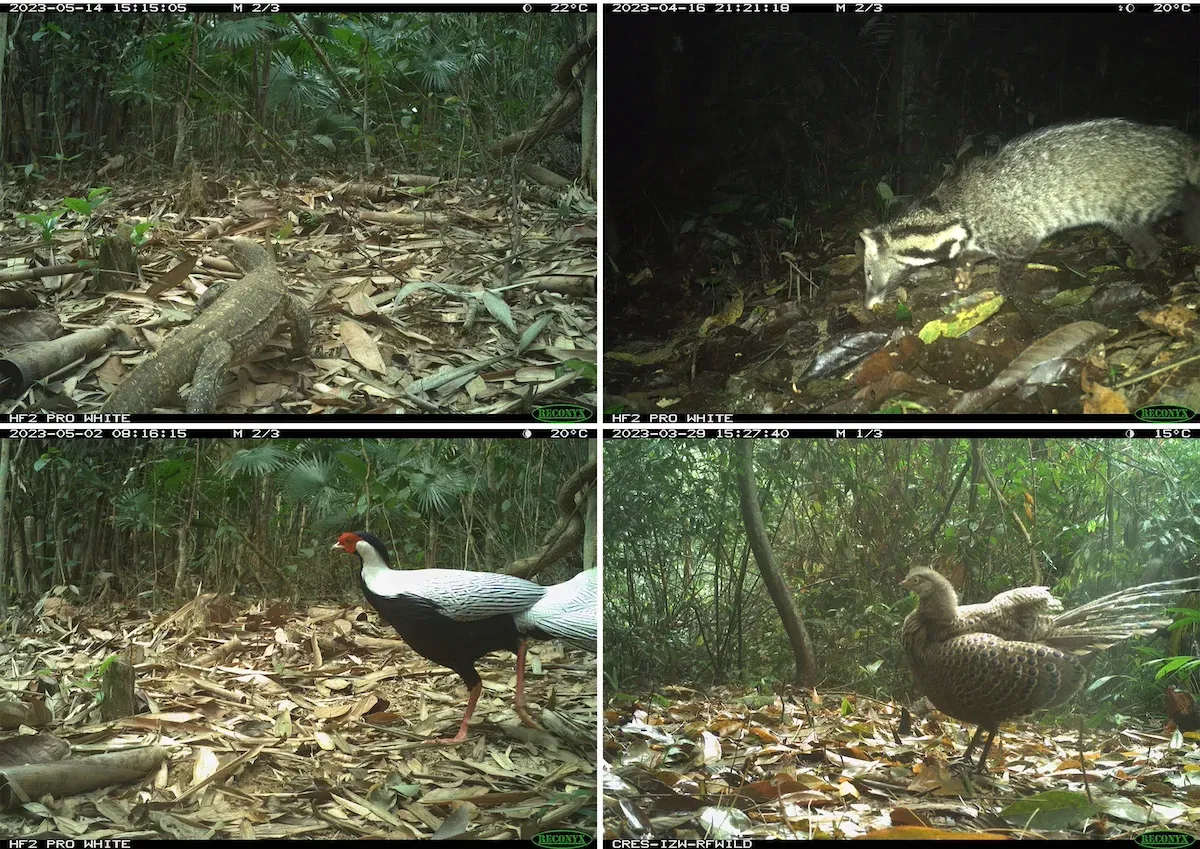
(173, 475)
(263, 458)
(1179, 668)
(426, 88)
(261, 515)
(685, 602)
(86, 207)
(236, 33)
(134, 510)
(141, 231)
(1053, 810)
(1188, 619)
(585, 369)
(887, 197)
(768, 684)
(103, 666)
(139, 85)
(45, 222)
(1099, 683)
(61, 158)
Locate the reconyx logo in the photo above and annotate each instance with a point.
(562, 838)
(1170, 413)
(562, 414)
(1165, 840)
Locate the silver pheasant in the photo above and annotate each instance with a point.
(1019, 652)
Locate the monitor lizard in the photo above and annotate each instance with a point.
(233, 321)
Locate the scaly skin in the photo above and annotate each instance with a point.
(234, 324)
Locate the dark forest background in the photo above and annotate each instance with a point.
(157, 521)
(398, 90)
(744, 154)
(717, 127)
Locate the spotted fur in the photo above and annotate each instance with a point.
(1111, 172)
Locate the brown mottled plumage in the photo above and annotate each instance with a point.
(1183, 709)
(985, 663)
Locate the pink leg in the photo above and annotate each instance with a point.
(519, 705)
(462, 729)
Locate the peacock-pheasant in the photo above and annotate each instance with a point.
(1019, 652)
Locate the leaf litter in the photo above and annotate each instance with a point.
(400, 287)
(276, 723)
(737, 763)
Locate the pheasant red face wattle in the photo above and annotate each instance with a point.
(347, 542)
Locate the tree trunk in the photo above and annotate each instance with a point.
(5, 462)
(183, 543)
(58, 527)
(587, 166)
(756, 534)
(4, 148)
(27, 572)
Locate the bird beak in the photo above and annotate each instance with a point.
(906, 583)
(337, 547)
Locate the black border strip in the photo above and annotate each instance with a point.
(882, 432)
(879, 420)
(247, 431)
(330, 422)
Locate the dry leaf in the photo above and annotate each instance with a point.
(361, 346)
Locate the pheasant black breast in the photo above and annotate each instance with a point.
(1019, 652)
(454, 617)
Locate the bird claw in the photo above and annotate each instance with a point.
(527, 720)
(446, 741)
(966, 765)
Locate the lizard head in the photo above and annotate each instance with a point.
(247, 255)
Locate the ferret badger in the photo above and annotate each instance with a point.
(1123, 175)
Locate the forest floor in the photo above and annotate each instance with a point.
(425, 296)
(274, 722)
(736, 763)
